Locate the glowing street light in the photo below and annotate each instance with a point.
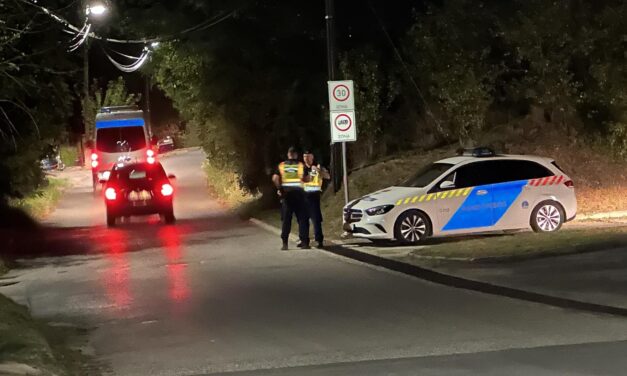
(96, 9)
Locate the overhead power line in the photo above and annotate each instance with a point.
(199, 27)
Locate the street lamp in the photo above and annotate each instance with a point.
(95, 10)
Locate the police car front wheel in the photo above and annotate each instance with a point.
(548, 216)
(412, 227)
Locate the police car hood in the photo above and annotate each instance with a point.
(387, 196)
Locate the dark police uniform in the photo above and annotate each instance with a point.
(292, 173)
(313, 192)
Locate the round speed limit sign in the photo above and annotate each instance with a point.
(341, 93)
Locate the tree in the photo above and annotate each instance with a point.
(451, 48)
(35, 98)
(114, 93)
(375, 90)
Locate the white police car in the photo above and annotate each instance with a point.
(477, 191)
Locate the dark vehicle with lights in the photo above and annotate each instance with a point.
(139, 189)
(121, 137)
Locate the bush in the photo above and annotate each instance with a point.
(618, 139)
(227, 186)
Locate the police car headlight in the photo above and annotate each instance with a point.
(379, 210)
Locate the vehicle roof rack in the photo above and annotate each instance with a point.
(479, 152)
(111, 109)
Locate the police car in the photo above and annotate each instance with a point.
(474, 192)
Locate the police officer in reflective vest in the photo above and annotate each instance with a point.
(314, 177)
(289, 180)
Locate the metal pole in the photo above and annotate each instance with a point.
(330, 23)
(85, 99)
(345, 172)
(147, 94)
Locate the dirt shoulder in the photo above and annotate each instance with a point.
(30, 347)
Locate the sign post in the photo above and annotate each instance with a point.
(343, 121)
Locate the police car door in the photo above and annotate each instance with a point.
(514, 197)
(466, 206)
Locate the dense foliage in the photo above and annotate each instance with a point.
(35, 97)
(255, 83)
(426, 73)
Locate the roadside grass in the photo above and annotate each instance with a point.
(522, 245)
(69, 155)
(41, 202)
(225, 185)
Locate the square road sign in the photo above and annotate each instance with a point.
(343, 126)
(341, 96)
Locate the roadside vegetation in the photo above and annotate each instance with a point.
(40, 202)
(227, 187)
(69, 155)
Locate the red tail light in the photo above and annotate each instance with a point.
(167, 190)
(150, 153)
(111, 194)
(94, 160)
(151, 160)
(569, 184)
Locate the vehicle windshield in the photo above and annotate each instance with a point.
(425, 176)
(120, 140)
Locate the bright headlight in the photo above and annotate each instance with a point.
(379, 210)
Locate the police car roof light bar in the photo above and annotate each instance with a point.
(478, 152)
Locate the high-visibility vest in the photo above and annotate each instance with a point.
(292, 173)
(315, 182)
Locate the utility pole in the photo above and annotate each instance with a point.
(147, 94)
(331, 54)
(331, 66)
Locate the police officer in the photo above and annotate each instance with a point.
(289, 179)
(314, 176)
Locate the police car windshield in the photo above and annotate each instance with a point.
(425, 176)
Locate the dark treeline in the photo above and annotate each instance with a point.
(428, 73)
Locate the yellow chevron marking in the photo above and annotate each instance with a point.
(422, 198)
(445, 194)
(467, 191)
(429, 196)
(414, 199)
(407, 200)
(399, 202)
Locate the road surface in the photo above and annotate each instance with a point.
(213, 294)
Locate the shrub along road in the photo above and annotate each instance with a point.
(214, 294)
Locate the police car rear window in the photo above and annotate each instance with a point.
(425, 176)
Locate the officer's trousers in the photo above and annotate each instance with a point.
(293, 203)
(312, 199)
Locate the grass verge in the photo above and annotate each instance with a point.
(25, 342)
(69, 155)
(225, 185)
(523, 245)
(41, 202)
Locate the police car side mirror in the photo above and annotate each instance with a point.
(447, 185)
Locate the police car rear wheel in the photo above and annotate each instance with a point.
(412, 227)
(548, 216)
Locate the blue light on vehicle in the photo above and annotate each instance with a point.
(119, 123)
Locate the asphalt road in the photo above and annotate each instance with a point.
(213, 294)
